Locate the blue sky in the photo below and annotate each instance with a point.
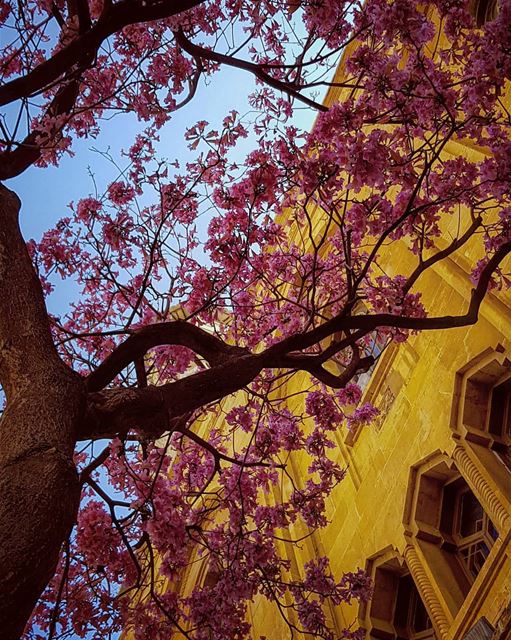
(45, 193)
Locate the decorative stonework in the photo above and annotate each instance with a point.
(387, 569)
(472, 394)
(428, 595)
(482, 489)
(430, 518)
(385, 402)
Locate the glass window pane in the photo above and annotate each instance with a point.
(474, 556)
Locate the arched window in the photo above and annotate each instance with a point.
(481, 422)
(482, 404)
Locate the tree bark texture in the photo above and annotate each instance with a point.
(39, 489)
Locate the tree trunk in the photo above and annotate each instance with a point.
(39, 489)
(39, 500)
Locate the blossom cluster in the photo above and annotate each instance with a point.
(287, 241)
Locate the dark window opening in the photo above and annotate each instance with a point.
(397, 610)
(500, 411)
(411, 619)
(486, 11)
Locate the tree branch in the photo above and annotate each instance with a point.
(302, 341)
(312, 364)
(201, 52)
(12, 163)
(444, 253)
(152, 409)
(177, 333)
(114, 18)
(218, 455)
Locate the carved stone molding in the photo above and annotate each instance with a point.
(473, 386)
(482, 489)
(428, 595)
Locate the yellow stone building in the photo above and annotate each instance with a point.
(426, 503)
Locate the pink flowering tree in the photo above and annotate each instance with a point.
(110, 487)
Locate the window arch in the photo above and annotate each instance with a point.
(481, 421)
(481, 411)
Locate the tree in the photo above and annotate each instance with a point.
(159, 337)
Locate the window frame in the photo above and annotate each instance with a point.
(450, 525)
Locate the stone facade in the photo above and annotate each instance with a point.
(434, 466)
(442, 442)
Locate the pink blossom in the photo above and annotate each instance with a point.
(120, 193)
(363, 415)
(322, 407)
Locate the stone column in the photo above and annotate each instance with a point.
(426, 591)
(484, 492)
